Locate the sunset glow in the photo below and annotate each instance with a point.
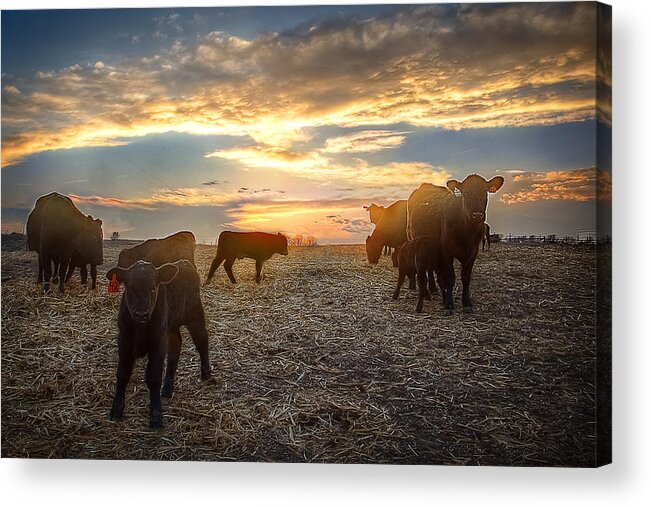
(294, 125)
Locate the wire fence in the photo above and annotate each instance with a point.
(582, 238)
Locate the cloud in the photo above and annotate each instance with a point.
(466, 67)
(316, 166)
(352, 226)
(578, 185)
(183, 196)
(365, 141)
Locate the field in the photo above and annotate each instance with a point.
(318, 363)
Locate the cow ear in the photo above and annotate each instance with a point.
(120, 274)
(494, 184)
(452, 184)
(167, 273)
(365, 207)
(99, 222)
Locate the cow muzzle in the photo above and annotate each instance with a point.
(140, 317)
(478, 216)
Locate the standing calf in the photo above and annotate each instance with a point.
(252, 245)
(416, 259)
(155, 304)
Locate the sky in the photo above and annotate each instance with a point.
(291, 119)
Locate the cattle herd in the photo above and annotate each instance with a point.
(423, 234)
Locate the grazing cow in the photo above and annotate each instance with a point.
(156, 302)
(486, 240)
(389, 231)
(57, 230)
(416, 260)
(180, 245)
(259, 246)
(374, 212)
(457, 225)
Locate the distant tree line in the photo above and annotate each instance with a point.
(301, 240)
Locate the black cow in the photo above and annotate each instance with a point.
(180, 245)
(155, 304)
(389, 231)
(416, 260)
(457, 225)
(259, 246)
(57, 230)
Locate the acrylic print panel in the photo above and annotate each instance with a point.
(297, 165)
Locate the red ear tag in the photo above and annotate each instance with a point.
(114, 285)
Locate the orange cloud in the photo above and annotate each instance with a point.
(579, 185)
(315, 165)
(416, 66)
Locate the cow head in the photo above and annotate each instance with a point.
(373, 249)
(474, 195)
(141, 281)
(89, 242)
(282, 244)
(375, 212)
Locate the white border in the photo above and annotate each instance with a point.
(626, 482)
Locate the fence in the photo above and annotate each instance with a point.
(582, 238)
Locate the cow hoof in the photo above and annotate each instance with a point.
(115, 415)
(207, 377)
(469, 309)
(167, 391)
(419, 309)
(156, 420)
(447, 312)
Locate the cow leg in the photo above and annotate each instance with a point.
(228, 267)
(39, 278)
(71, 270)
(483, 243)
(447, 286)
(422, 288)
(401, 280)
(46, 264)
(199, 334)
(431, 281)
(93, 275)
(63, 267)
(154, 378)
(258, 270)
(55, 271)
(126, 360)
(412, 281)
(173, 353)
(394, 258)
(466, 273)
(216, 262)
(83, 274)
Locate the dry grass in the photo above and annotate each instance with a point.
(317, 363)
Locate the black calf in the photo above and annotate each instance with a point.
(416, 262)
(155, 304)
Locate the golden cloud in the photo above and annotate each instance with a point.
(316, 166)
(365, 141)
(578, 185)
(488, 66)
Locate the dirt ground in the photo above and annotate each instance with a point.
(318, 363)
